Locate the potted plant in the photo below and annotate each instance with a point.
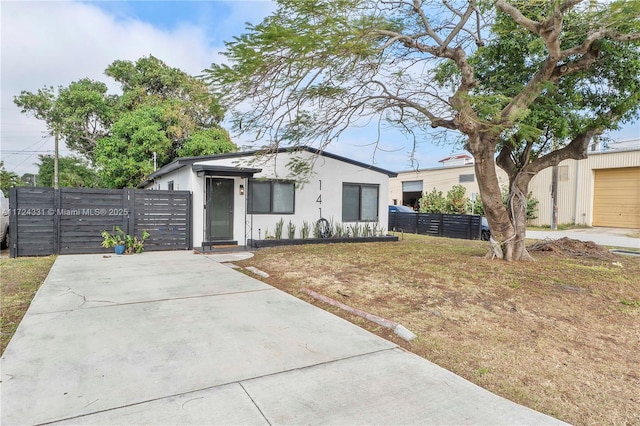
(114, 239)
(124, 243)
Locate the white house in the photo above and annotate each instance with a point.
(243, 195)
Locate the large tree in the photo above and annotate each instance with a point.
(81, 112)
(8, 180)
(507, 76)
(162, 112)
(73, 172)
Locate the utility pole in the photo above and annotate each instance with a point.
(155, 161)
(56, 181)
(554, 191)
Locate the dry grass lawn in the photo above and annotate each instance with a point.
(560, 335)
(20, 279)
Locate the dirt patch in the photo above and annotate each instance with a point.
(570, 247)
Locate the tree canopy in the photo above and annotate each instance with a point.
(73, 172)
(161, 110)
(528, 83)
(8, 180)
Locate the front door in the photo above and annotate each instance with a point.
(219, 209)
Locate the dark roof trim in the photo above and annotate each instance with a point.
(187, 161)
(210, 170)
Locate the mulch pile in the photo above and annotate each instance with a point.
(568, 247)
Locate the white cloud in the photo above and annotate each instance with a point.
(55, 43)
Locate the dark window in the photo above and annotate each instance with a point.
(359, 202)
(170, 185)
(467, 178)
(273, 196)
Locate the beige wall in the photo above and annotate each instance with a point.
(575, 185)
(442, 178)
(575, 195)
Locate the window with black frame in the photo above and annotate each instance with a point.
(271, 197)
(359, 202)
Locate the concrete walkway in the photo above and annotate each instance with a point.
(614, 237)
(178, 338)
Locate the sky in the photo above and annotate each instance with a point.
(52, 43)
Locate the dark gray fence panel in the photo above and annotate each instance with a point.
(403, 222)
(32, 213)
(71, 220)
(457, 226)
(84, 214)
(437, 224)
(430, 224)
(166, 215)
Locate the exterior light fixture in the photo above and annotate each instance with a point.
(241, 189)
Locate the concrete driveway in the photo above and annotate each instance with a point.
(178, 338)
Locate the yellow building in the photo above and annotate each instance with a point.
(601, 190)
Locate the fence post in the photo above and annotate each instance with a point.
(129, 199)
(13, 223)
(190, 221)
(57, 201)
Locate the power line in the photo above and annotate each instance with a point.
(22, 162)
(13, 152)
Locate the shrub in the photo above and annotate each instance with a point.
(291, 230)
(432, 202)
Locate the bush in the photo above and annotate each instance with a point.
(432, 202)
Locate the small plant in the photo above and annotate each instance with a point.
(341, 230)
(118, 237)
(377, 230)
(279, 228)
(115, 238)
(305, 230)
(366, 230)
(291, 230)
(355, 230)
(134, 244)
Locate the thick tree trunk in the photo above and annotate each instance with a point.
(503, 233)
(507, 224)
(517, 210)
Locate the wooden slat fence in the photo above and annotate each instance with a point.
(70, 220)
(437, 224)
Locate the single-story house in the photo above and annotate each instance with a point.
(601, 190)
(243, 195)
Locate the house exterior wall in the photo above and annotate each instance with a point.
(325, 185)
(181, 181)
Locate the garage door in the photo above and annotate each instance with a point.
(616, 198)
